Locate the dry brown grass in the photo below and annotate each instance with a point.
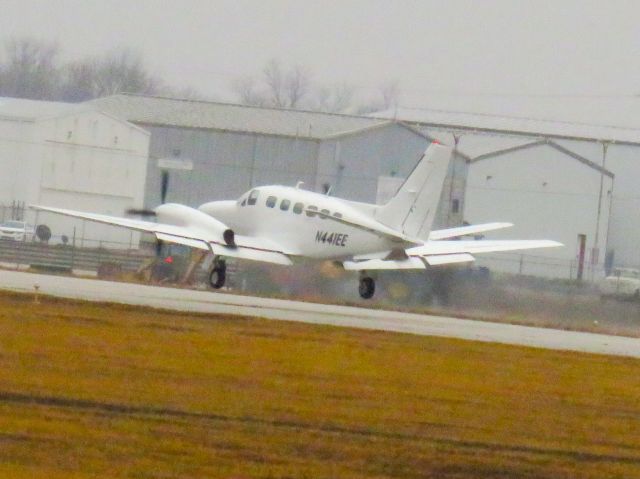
(91, 390)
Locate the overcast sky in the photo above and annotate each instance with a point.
(503, 47)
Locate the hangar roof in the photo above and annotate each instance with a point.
(30, 110)
(24, 110)
(517, 125)
(150, 110)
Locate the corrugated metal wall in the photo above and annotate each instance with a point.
(353, 163)
(226, 164)
(546, 194)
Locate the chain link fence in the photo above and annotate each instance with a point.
(70, 257)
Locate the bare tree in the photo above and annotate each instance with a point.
(184, 93)
(297, 84)
(283, 87)
(277, 86)
(335, 98)
(79, 81)
(274, 81)
(124, 71)
(116, 72)
(29, 69)
(386, 98)
(247, 90)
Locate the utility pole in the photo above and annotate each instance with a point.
(595, 251)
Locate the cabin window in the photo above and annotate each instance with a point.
(253, 197)
(297, 208)
(455, 206)
(311, 211)
(325, 213)
(284, 205)
(271, 201)
(337, 215)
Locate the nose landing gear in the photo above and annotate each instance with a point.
(367, 287)
(218, 273)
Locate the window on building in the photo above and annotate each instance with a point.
(311, 211)
(297, 208)
(455, 206)
(271, 201)
(253, 197)
(325, 213)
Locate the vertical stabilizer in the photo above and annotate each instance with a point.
(413, 208)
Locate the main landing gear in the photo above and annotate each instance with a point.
(367, 286)
(218, 273)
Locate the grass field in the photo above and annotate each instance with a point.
(94, 390)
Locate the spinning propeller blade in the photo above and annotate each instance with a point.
(164, 186)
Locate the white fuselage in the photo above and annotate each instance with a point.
(285, 216)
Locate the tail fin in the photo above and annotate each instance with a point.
(413, 208)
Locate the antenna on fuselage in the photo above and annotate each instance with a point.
(299, 184)
(327, 187)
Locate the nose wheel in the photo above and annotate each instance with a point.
(218, 274)
(367, 287)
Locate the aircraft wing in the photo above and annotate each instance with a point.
(466, 230)
(435, 253)
(256, 249)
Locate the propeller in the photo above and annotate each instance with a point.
(164, 187)
(158, 248)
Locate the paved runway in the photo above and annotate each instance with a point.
(213, 302)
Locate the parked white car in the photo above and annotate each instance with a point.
(16, 231)
(622, 283)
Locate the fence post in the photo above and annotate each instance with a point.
(18, 255)
(521, 264)
(73, 250)
(571, 269)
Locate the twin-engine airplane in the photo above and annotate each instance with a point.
(279, 224)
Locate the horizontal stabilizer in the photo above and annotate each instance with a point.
(408, 263)
(371, 264)
(440, 259)
(481, 246)
(467, 230)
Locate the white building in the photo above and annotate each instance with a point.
(553, 178)
(70, 156)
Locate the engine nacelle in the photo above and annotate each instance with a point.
(197, 221)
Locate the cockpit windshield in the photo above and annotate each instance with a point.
(253, 197)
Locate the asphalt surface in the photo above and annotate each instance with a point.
(346, 316)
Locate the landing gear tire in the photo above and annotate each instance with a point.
(367, 287)
(218, 274)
